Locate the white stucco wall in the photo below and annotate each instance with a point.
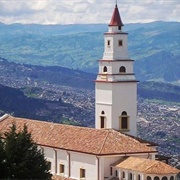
(125, 99)
(114, 51)
(63, 158)
(76, 160)
(113, 99)
(50, 156)
(107, 162)
(85, 161)
(113, 66)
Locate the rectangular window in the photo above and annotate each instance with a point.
(82, 173)
(124, 123)
(123, 174)
(111, 171)
(120, 42)
(102, 122)
(61, 168)
(108, 42)
(119, 27)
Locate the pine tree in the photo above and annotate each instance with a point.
(23, 159)
(2, 158)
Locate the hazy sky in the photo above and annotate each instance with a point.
(87, 11)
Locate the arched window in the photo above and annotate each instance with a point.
(172, 178)
(124, 124)
(164, 178)
(139, 177)
(124, 113)
(123, 174)
(102, 119)
(148, 178)
(116, 173)
(130, 176)
(156, 178)
(122, 69)
(104, 69)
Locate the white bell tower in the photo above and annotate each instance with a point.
(116, 86)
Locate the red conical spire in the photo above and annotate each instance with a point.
(116, 18)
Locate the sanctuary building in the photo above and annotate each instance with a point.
(111, 150)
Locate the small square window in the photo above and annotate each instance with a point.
(82, 173)
(61, 168)
(120, 42)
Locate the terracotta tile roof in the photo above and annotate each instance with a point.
(147, 166)
(148, 143)
(60, 178)
(79, 139)
(116, 18)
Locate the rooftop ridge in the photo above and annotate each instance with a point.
(104, 142)
(4, 117)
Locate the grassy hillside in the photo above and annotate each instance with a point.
(155, 47)
(47, 74)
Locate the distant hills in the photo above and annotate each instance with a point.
(48, 74)
(11, 72)
(154, 46)
(13, 101)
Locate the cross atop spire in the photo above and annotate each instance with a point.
(116, 18)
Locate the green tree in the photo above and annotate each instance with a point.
(23, 159)
(2, 158)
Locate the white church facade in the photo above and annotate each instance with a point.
(111, 151)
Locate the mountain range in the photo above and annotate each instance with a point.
(154, 46)
(22, 75)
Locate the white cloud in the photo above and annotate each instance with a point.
(86, 11)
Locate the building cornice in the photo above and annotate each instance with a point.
(122, 81)
(114, 33)
(121, 74)
(117, 60)
(99, 154)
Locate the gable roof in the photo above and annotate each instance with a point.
(147, 166)
(116, 18)
(79, 139)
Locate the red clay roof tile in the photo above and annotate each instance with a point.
(116, 18)
(79, 139)
(147, 166)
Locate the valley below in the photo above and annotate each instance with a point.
(158, 121)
